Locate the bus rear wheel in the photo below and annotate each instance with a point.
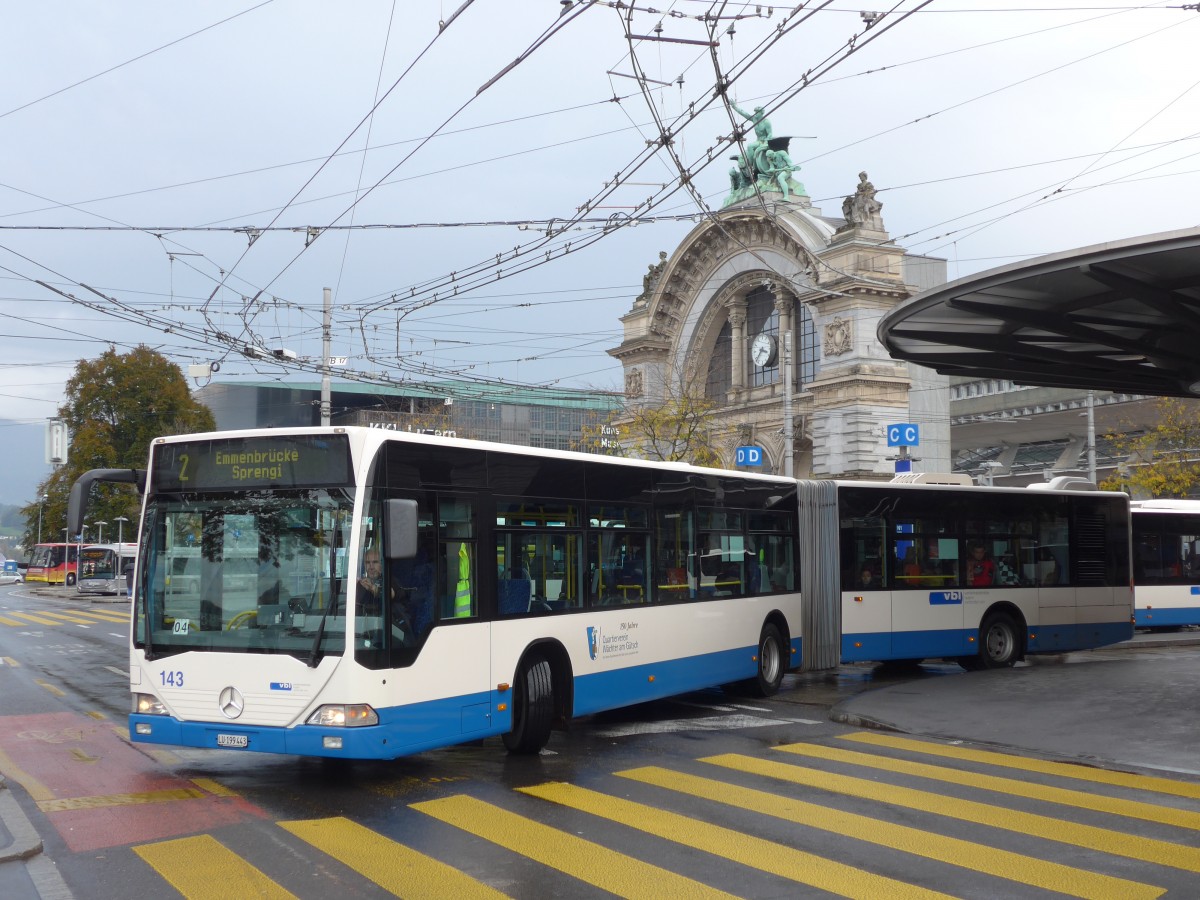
(999, 644)
(771, 665)
(532, 707)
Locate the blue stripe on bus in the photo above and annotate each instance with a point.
(1196, 588)
(1167, 617)
(878, 646)
(637, 684)
(936, 644)
(401, 731)
(404, 730)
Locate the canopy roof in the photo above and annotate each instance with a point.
(1123, 316)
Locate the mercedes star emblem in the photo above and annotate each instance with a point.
(231, 702)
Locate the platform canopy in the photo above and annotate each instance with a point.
(1123, 316)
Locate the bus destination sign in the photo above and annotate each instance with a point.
(238, 463)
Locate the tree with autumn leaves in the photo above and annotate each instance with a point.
(115, 406)
(1162, 461)
(677, 429)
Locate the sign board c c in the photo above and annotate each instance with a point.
(903, 434)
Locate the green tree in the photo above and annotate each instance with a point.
(1163, 461)
(115, 406)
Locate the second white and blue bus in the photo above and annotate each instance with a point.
(1166, 572)
(360, 593)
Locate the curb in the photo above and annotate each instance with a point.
(857, 721)
(25, 840)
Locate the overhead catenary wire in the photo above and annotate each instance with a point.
(558, 244)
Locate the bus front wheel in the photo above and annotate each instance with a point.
(771, 666)
(70, 579)
(532, 707)
(999, 644)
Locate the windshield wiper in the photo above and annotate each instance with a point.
(314, 655)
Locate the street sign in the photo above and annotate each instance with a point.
(904, 464)
(903, 434)
(748, 456)
(337, 360)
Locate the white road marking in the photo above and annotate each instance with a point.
(712, 706)
(711, 723)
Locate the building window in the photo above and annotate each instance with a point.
(807, 331)
(762, 319)
(717, 385)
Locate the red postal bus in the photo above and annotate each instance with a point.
(53, 563)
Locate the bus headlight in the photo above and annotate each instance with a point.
(344, 716)
(148, 705)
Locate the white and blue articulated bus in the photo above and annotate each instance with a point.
(1166, 572)
(363, 593)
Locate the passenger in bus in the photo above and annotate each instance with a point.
(369, 588)
(981, 571)
(911, 566)
(1048, 567)
(1006, 570)
(867, 580)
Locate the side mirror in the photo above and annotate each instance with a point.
(77, 501)
(401, 523)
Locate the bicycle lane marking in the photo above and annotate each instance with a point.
(100, 791)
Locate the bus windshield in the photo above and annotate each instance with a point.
(258, 572)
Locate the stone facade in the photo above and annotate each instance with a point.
(768, 286)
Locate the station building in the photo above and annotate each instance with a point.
(769, 308)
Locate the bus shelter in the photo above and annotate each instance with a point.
(1121, 316)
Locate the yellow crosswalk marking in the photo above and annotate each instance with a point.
(955, 851)
(757, 853)
(30, 617)
(590, 862)
(20, 618)
(200, 868)
(1102, 840)
(65, 617)
(104, 615)
(1025, 764)
(1131, 809)
(394, 867)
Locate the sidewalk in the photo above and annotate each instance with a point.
(1124, 705)
(24, 871)
(62, 592)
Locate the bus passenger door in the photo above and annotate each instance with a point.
(461, 646)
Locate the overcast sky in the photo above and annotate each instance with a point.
(195, 174)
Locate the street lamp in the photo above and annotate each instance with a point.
(41, 504)
(100, 529)
(67, 554)
(120, 520)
